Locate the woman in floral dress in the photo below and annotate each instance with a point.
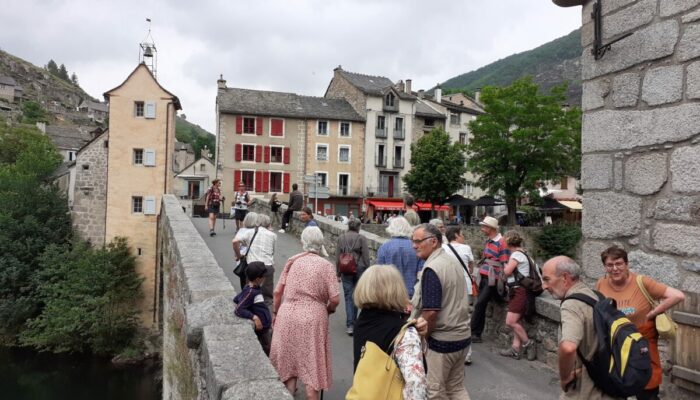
(306, 294)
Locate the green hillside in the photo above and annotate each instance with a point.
(188, 132)
(549, 64)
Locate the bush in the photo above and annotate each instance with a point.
(559, 239)
(90, 299)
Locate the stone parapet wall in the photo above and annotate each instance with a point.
(208, 352)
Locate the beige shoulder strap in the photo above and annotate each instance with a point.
(640, 283)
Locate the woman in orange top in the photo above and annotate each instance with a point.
(621, 284)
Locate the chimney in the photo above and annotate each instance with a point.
(221, 83)
(204, 152)
(477, 96)
(408, 85)
(438, 94)
(421, 94)
(400, 86)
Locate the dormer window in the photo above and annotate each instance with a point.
(389, 100)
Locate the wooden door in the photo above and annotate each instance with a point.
(685, 349)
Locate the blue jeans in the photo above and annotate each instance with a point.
(349, 282)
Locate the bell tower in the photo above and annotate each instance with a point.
(148, 54)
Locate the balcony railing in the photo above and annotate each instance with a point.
(321, 157)
(391, 108)
(383, 191)
(398, 162)
(380, 161)
(381, 133)
(399, 134)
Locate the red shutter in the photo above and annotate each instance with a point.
(238, 152)
(285, 184)
(266, 152)
(286, 155)
(239, 125)
(258, 153)
(258, 181)
(236, 179)
(266, 181)
(258, 126)
(276, 127)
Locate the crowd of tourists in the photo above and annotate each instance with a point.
(422, 305)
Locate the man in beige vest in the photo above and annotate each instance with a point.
(440, 299)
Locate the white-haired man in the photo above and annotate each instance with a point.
(399, 252)
(261, 247)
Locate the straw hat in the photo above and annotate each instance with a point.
(491, 222)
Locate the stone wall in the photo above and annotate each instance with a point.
(208, 352)
(90, 195)
(641, 158)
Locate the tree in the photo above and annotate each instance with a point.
(63, 73)
(437, 167)
(74, 78)
(33, 112)
(52, 67)
(525, 138)
(33, 214)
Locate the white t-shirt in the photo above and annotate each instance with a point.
(240, 201)
(523, 265)
(465, 253)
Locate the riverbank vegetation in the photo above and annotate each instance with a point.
(57, 293)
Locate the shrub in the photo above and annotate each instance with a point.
(91, 299)
(559, 239)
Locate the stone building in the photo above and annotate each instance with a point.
(192, 182)
(641, 153)
(89, 205)
(183, 156)
(269, 140)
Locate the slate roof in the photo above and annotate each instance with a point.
(104, 107)
(374, 85)
(184, 146)
(7, 80)
(279, 104)
(68, 137)
(424, 110)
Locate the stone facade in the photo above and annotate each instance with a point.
(90, 195)
(208, 352)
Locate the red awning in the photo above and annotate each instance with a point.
(423, 206)
(386, 205)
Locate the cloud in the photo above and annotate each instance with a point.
(284, 45)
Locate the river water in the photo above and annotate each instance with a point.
(26, 375)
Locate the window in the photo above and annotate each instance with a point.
(248, 179)
(345, 129)
(275, 181)
(248, 152)
(381, 122)
(454, 119)
(71, 155)
(389, 100)
(138, 108)
(321, 152)
(249, 125)
(343, 184)
(381, 156)
(398, 123)
(564, 183)
(322, 128)
(276, 127)
(429, 122)
(398, 157)
(138, 156)
(202, 167)
(324, 178)
(276, 154)
(344, 154)
(136, 204)
(463, 137)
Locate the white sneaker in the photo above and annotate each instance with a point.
(281, 231)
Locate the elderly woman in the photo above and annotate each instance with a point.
(622, 285)
(382, 297)
(441, 226)
(307, 292)
(250, 222)
(398, 251)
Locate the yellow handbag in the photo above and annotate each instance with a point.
(664, 324)
(377, 376)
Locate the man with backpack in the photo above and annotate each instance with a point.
(351, 259)
(601, 353)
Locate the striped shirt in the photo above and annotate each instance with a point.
(495, 249)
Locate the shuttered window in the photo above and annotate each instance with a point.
(150, 110)
(149, 205)
(149, 158)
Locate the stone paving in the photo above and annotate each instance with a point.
(490, 377)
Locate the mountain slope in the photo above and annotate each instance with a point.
(188, 132)
(549, 64)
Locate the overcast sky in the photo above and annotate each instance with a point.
(282, 45)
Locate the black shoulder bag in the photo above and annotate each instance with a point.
(475, 289)
(243, 263)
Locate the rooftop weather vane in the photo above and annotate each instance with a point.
(147, 51)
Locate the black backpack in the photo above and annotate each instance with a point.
(621, 365)
(533, 282)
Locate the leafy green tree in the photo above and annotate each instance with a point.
(437, 167)
(33, 214)
(33, 112)
(91, 299)
(524, 138)
(52, 67)
(63, 73)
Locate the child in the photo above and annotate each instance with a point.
(251, 305)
